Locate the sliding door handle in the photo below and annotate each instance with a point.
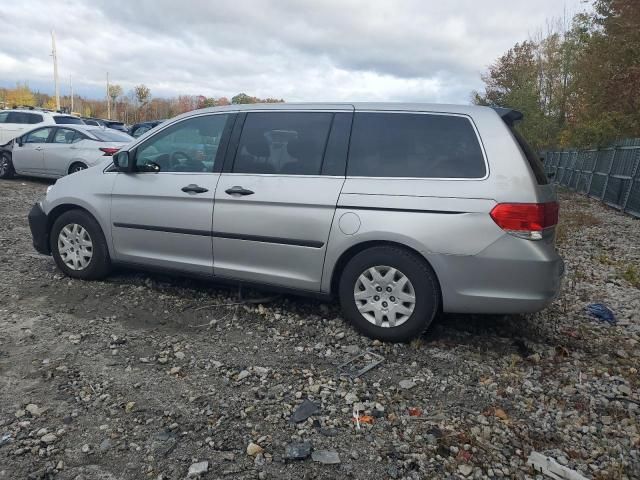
(238, 191)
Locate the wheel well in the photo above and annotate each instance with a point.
(76, 163)
(60, 209)
(355, 249)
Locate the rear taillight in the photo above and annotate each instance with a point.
(526, 220)
(108, 151)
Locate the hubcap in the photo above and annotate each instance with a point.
(384, 296)
(75, 246)
(77, 168)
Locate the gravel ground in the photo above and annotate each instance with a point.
(146, 376)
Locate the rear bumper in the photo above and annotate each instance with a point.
(511, 276)
(38, 222)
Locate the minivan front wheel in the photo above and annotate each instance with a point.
(389, 293)
(78, 246)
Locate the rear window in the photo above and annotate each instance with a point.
(532, 157)
(62, 120)
(24, 118)
(415, 146)
(107, 135)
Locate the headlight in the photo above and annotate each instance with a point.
(49, 189)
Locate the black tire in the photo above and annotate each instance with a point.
(419, 273)
(76, 167)
(6, 167)
(99, 265)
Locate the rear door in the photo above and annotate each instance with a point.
(276, 199)
(59, 153)
(29, 157)
(162, 212)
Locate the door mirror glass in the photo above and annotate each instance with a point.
(121, 161)
(19, 141)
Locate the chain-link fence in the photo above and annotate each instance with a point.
(611, 174)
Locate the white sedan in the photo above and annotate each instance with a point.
(55, 151)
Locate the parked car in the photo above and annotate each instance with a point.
(14, 122)
(141, 128)
(55, 151)
(399, 210)
(100, 122)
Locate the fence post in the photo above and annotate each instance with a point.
(606, 179)
(634, 171)
(593, 172)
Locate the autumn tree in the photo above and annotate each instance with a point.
(20, 96)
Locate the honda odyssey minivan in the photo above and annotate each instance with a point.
(399, 210)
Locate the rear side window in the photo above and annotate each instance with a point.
(24, 118)
(3, 117)
(61, 120)
(107, 135)
(532, 157)
(415, 146)
(283, 143)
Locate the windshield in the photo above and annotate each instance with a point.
(109, 135)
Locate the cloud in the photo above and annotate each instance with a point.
(408, 50)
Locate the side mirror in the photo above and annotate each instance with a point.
(19, 141)
(122, 161)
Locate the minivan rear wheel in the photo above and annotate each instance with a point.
(389, 293)
(78, 246)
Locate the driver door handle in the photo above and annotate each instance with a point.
(193, 188)
(238, 191)
(38, 148)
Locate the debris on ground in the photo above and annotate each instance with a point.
(198, 469)
(360, 364)
(551, 468)
(601, 313)
(327, 457)
(298, 450)
(304, 411)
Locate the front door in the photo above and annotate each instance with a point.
(162, 212)
(29, 157)
(274, 207)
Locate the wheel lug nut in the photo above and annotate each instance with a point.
(378, 289)
(389, 289)
(385, 304)
(393, 299)
(376, 298)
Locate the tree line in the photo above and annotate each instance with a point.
(578, 84)
(136, 106)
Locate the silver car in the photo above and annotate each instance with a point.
(399, 210)
(54, 151)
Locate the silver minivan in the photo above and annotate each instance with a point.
(401, 211)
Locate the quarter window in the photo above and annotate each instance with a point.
(24, 118)
(3, 117)
(283, 143)
(414, 145)
(187, 146)
(38, 136)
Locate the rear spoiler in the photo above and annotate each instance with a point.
(509, 115)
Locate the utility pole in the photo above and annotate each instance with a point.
(55, 68)
(108, 99)
(71, 88)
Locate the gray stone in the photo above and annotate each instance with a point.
(407, 384)
(465, 469)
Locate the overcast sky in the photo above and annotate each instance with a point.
(395, 50)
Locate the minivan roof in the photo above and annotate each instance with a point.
(351, 106)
